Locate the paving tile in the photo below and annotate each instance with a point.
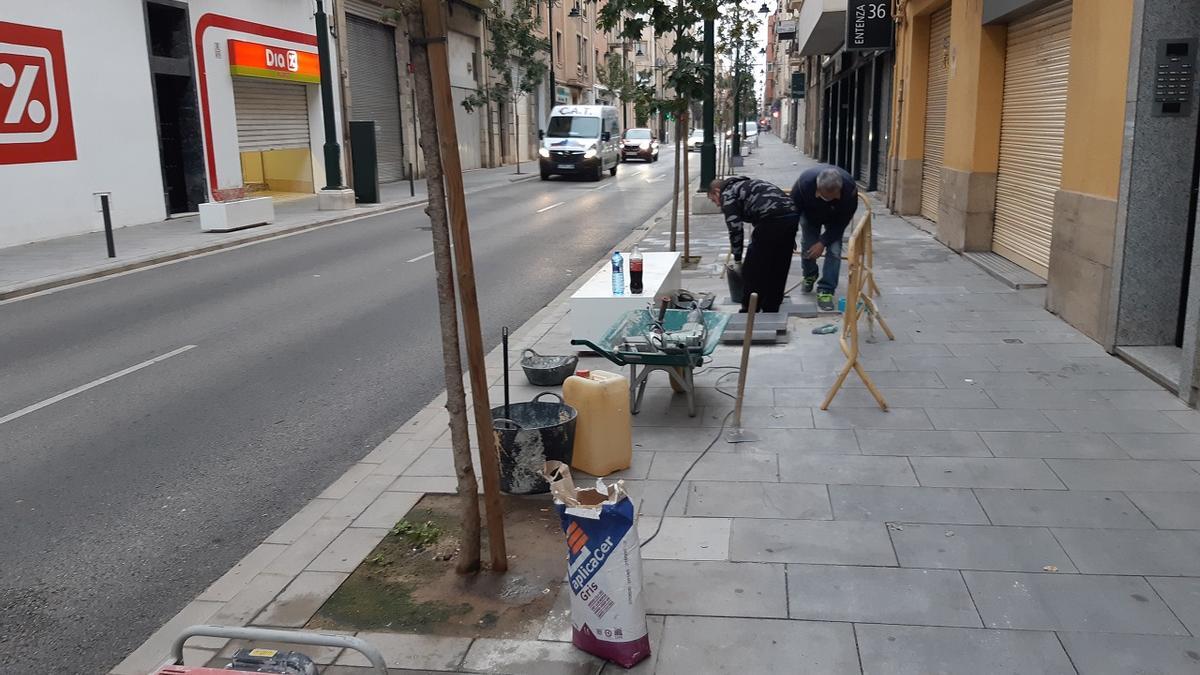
(529, 657)
(987, 380)
(978, 547)
(793, 501)
(880, 595)
(1143, 400)
(765, 417)
(939, 363)
(672, 439)
(796, 442)
(846, 470)
(1103, 381)
(888, 379)
(728, 466)
(344, 484)
(1114, 421)
(871, 418)
(1051, 444)
(389, 448)
(1182, 595)
(234, 581)
(359, 498)
(387, 510)
(922, 443)
(990, 420)
(1070, 602)
(1111, 654)
(1126, 474)
(813, 397)
(915, 650)
(433, 462)
(1189, 420)
(1159, 446)
(301, 599)
(402, 650)
(1145, 552)
(432, 484)
(685, 538)
(903, 397)
(728, 589)
(346, 552)
(298, 524)
(307, 546)
(651, 495)
(905, 504)
(811, 541)
(1048, 399)
(397, 460)
(693, 645)
(1059, 508)
(1170, 510)
(1029, 474)
(246, 605)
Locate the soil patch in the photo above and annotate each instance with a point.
(408, 583)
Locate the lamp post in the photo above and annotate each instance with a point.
(708, 148)
(553, 53)
(333, 152)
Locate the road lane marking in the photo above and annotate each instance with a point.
(425, 255)
(552, 206)
(94, 383)
(601, 187)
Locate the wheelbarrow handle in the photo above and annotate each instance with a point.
(501, 422)
(537, 399)
(529, 350)
(615, 357)
(273, 635)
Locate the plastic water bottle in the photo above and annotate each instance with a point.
(618, 274)
(635, 271)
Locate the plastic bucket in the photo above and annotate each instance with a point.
(532, 433)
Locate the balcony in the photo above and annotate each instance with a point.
(820, 26)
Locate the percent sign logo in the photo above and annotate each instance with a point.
(20, 104)
(35, 106)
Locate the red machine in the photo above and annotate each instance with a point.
(261, 660)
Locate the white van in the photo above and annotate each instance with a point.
(580, 140)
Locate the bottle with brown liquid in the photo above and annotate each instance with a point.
(635, 271)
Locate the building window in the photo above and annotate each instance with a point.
(558, 46)
(595, 59)
(578, 49)
(583, 59)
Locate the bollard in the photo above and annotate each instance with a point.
(108, 235)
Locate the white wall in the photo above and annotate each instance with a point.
(112, 104)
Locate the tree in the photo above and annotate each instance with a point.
(516, 54)
(739, 26)
(614, 75)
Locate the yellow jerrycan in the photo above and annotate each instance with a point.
(603, 429)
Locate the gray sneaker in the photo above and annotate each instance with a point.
(825, 302)
(808, 284)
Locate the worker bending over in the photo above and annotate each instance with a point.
(775, 221)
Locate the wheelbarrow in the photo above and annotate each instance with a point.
(680, 366)
(266, 660)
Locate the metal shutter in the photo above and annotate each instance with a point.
(885, 124)
(375, 90)
(935, 112)
(270, 115)
(863, 119)
(1032, 125)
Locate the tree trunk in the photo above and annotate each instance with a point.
(687, 189)
(675, 193)
(517, 139)
(456, 398)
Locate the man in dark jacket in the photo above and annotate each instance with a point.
(826, 198)
(774, 217)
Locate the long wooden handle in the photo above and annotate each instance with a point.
(741, 392)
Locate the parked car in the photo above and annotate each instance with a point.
(751, 136)
(695, 140)
(580, 140)
(639, 144)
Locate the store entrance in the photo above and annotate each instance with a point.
(179, 138)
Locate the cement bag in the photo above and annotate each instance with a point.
(604, 570)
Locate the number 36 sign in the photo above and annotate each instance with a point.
(869, 25)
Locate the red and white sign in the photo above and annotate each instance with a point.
(251, 59)
(35, 105)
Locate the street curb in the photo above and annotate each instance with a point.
(100, 271)
(422, 428)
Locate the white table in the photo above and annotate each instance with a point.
(594, 308)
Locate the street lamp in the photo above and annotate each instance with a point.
(333, 152)
(764, 9)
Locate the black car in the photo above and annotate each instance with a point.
(639, 144)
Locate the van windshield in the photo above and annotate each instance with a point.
(573, 127)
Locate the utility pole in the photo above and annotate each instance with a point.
(736, 143)
(708, 148)
(333, 153)
(553, 54)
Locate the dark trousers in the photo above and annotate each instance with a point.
(768, 258)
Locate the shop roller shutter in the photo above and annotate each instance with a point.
(270, 115)
(375, 90)
(1032, 124)
(935, 112)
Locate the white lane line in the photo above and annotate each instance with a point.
(552, 206)
(94, 383)
(601, 187)
(425, 255)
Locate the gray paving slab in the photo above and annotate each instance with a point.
(1189, 420)
(235, 580)
(1070, 602)
(1159, 446)
(811, 541)
(1103, 381)
(846, 470)
(1110, 654)
(298, 524)
(1182, 595)
(692, 645)
(988, 380)
(422, 484)
(729, 466)
(246, 605)
(888, 379)
(1143, 400)
(1059, 508)
(651, 495)
(1126, 474)
(871, 418)
(672, 439)
(990, 420)
(529, 657)
(905, 504)
(387, 510)
(916, 650)
(921, 443)
(978, 547)
(795, 501)
(346, 552)
(1170, 510)
(972, 472)
(307, 546)
(1145, 552)
(797, 442)
(685, 538)
(1114, 421)
(301, 599)
(767, 417)
(813, 397)
(1048, 399)
(710, 588)
(906, 397)
(1052, 445)
(880, 595)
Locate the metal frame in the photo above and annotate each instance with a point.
(274, 635)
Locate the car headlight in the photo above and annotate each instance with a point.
(591, 152)
(543, 152)
(644, 144)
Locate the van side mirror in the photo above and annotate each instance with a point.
(541, 134)
(606, 136)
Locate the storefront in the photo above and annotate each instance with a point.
(856, 106)
(375, 84)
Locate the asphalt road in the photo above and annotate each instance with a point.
(287, 361)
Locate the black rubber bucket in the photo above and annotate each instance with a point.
(532, 433)
(733, 277)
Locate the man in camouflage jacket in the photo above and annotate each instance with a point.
(773, 214)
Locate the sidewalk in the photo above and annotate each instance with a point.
(1029, 505)
(56, 262)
